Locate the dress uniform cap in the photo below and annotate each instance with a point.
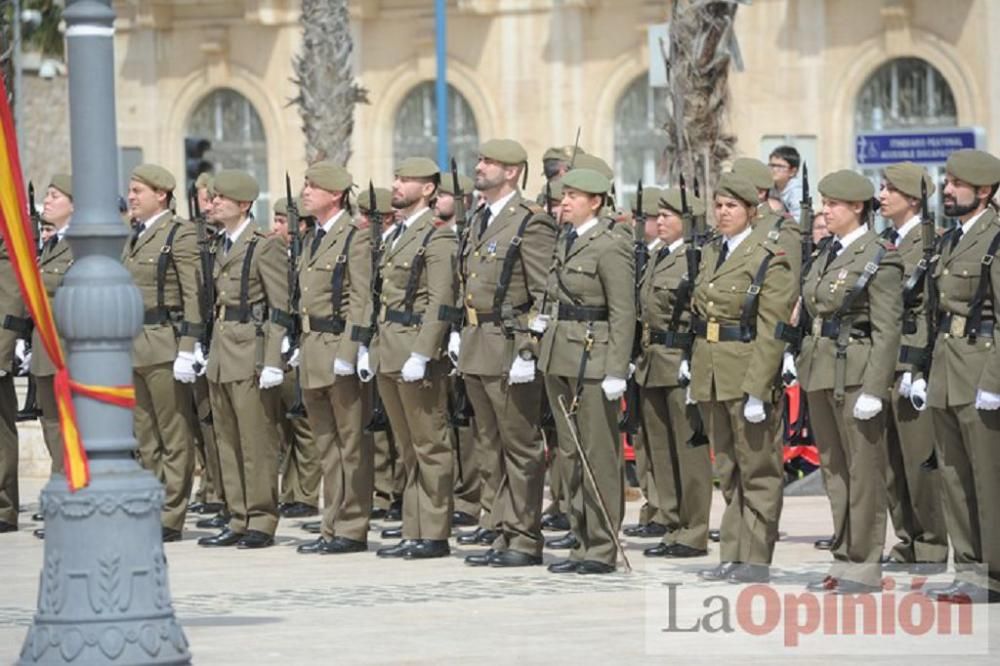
(448, 184)
(556, 189)
(505, 151)
(905, 177)
(236, 185)
(281, 206)
(564, 153)
(594, 163)
(204, 180)
(587, 180)
(738, 187)
(755, 171)
(975, 167)
(650, 201)
(329, 176)
(846, 185)
(671, 198)
(63, 182)
(417, 167)
(383, 201)
(155, 176)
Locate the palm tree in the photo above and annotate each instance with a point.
(327, 89)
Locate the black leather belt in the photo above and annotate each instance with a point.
(475, 317)
(672, 339)
(403, 317)
(20, 325)
(569, 312)
(156, 316)
(335, 325)
(957, 326)
(235, 313)
(831, 329)
(713, 331)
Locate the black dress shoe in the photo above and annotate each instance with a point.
(204, 508)
(845, 586)
(827, 584)
(196, 507)
(395, 512)
(39, 533)
(515, 558)
(750, 573)
(564, 566)
(720, 572)
(171, 535)
(632, 530)
(482, 559)
(487, 537)
(674, 550)
(555, 522)
(594, 567)
(339, 545)
(427, 549)
(392, 533)
(462, 519)
(299, 510)
(313, 526)
(38, 517)
(647, 531)
(564, 542)
(469, 538)
(216, 522)
(312, 547)
(255, 539)
(825, 543)
(399, 550)
(377, 514)
(7, 527)
(715, 536)
(226, 537)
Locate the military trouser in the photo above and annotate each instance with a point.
(914, 493)
(162, 427)
(337, 415)
(206, 452)
(419, 418)
(600, 439)
(512, 413)
(45, 396)
(488, 454)
(748, 461)
(248, 454)
(969, 464)
(557, 486)
(9, 502)
(468, 486)
(390, 477)
(650, 510)
(300, 469)
(854, 451)
(680, 474)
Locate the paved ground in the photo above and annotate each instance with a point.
(277, 607)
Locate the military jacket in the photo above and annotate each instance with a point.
(486, 350)
(661, 282)
(53, 264)
(11, 305)
(962, 366)
(783, 232)
(598, 272)
(436, 286)
(159, 342)
(241, 348)
(317, 273)
(877, 313)
(914, 327)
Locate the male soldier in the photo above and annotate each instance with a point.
(964, 386)
(556, 161)
(251, 285)
(585, 358)
(914, 492)
(13, 326)
(162, 257)
(504, 268)
(418, 278)
(334, 280)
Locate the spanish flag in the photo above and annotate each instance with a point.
(15, 226)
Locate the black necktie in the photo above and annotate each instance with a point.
(227, 245)
(139, 228)
(956, 236)
(570, 239)
(662, 254)
(50, 244)
(484, 220)
(831, 254)
(400, 228)
(893, 236)
(723, 254)
(317, 239)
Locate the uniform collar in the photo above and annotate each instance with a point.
(851, 237)
(497, 206)
(907, 227)
(967, 227)
(387, 234)
(676, 244)
(734, 241)
(408, 222)
(234, 236)
(586, 226)
(653, 244)
(144, 226)
(328, 225)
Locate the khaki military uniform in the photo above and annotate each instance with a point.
(335, 403)
(299, 461)
(243, 428)
(853, 450)
(967, 438)
(592, 295)
(168, 282)
(390, 477)
(55, 260)
(11, 316)
(680, 472)
(725, 370)
(418, 410)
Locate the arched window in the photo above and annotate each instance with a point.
(640, 139)
(416, 134)
(229, 121)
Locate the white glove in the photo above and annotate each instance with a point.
(285, 345)
(342, 368)
(3, 373)
(539, 323)
(271, 377)
(184, 368)
(906, 384)
(415, 367)
(987, 401)
(918, 394)
(789, 373)
(364, 367)
(631, 370)
(688, 400)
(613, 387)
(753, 410)
(521, 371)
(454, 346)
(200, 359)
(23, 356)
(294, 360)
(866, 407)
(684, 373)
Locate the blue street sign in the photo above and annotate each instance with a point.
(924, 146)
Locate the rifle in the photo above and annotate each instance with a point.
(459, 407)
(918, 281)
(297, 409)
(379, 421)
(629, 422)
(30, 411)
(792, 335)
(206, 254)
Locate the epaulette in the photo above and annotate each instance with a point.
(886, 243)
(532, 207)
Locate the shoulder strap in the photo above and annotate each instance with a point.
(337, 279)
(979, 300)
(166, 255)
(507, 270)
(862, 282)
(410, 296)
(748, 312)
(245, 280)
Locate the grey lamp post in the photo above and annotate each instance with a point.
(103, 595)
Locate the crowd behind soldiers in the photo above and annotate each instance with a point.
(429, 353)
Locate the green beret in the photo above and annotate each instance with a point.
(448, 184)
(505, 151)
(670, 198)
(906, 176)
(64, 183)
(975, 167)
(737, 187)
(155, 176)
(417, 167)
(650, 201)
(555, 189)
(755, 171)
(846, 185)
(586, 180)
(383, 201)
(329, 176)
(594, 163)
(564, 153)
(204, 181)
(281, 206)
(236, 185)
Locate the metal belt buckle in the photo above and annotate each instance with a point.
(471, 316)
(384, 312)
(306, 328)
(817, 327)
(712, 331)
(957, 327)
(222, 312)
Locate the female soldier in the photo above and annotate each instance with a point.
(745, 286)
(853, 294)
